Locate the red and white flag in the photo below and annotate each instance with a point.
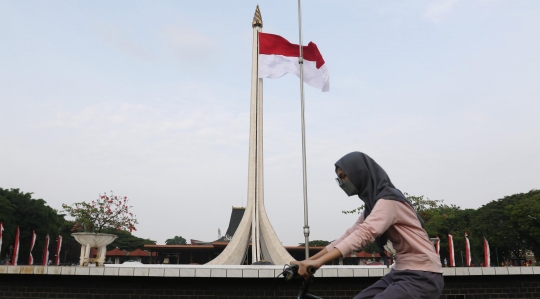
(1, 230)
(45, 251)
(15, 255)
(451, 249)
(487, 260)
(438, 246)
(467, 250)
(58, 247)
(32, 243)
(277, 57)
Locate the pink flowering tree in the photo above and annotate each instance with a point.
(108, 211)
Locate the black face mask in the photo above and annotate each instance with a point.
(348, 187)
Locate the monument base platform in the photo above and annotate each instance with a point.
(194, 282)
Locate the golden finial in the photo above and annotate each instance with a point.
(257, 19)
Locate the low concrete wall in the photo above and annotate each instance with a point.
(193, 282)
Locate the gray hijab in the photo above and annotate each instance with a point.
(372, 184)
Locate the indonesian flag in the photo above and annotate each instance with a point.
(467, 250)
(1, 230)
(16, 249)
(46, 251)
(438, 245)
(277, 57)
(32, 243)
(58, 247)
(451, 249)
(487, 260)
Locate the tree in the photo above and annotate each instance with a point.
(370, 248)
(418, 202)
(354, 211)
(20, 209)
(103, 213)
(7, 217)
(506, 225)
(525, 214)
(126, 241)
(177, 240)
(522, 213)
(316, 243)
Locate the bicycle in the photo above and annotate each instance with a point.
(290, 272)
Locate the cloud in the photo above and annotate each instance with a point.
(188, 44)
(191, 127)
(437, 10)
(118, 38)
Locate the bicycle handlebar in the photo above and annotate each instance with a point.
(291, 272)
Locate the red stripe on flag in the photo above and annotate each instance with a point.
(271, 44)
(15, 255)
(487, 260)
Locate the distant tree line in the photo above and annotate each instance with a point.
(18, 208)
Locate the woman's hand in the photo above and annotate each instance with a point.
(305, 264)
(316, 263)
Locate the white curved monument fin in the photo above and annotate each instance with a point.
(272, 248)
(235, 251)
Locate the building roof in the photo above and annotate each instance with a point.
(236, 216)
(140, 252)
(116, 252)
(187, 246)
(198, 242)
(219, 245)
(120, 252)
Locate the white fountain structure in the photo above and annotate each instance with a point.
(93, 240)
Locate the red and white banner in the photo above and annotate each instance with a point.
(58, 247)
(32, 243)
(15, 255)
(45, 252)
(487, 260)
(1, 230)
(277, 57)
(467, 250)
(451, 249)
(438, 246)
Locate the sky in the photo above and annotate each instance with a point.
(150, 99)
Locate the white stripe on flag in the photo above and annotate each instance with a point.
(275, 66)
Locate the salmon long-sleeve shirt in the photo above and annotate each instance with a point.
(414, 250)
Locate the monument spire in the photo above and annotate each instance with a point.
(257, 19)
(255, 225)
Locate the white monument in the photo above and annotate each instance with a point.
(255, 226)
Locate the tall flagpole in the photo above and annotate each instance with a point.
(301, 62)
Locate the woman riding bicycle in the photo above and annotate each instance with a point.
(388, 216)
